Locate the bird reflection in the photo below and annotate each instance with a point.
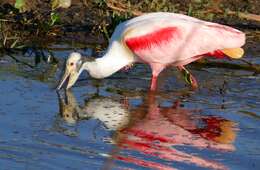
(154, 130)
(109, 111)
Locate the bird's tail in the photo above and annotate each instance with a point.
(234, 53)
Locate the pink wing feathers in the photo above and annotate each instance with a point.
(177, 38)
(153, 39)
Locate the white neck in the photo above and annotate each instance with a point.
(116, 57)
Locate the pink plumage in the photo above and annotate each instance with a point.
(153, 39)
(168, 39)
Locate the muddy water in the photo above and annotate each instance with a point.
(116, 124)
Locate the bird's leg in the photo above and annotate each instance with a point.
(153, 83)
(156, 69)
(188, 77)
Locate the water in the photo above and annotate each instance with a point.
(116, 124)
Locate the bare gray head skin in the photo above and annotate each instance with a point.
(72, 70)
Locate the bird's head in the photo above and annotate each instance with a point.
(72, 70)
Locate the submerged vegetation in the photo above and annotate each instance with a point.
(29, 26)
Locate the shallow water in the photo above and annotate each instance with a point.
(116, 124)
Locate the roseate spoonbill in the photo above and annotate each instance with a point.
(159, 39)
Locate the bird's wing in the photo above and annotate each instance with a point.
(154, 21)
(161, 16)
(149, 32)
(193, 36)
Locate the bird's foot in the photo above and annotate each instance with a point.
(188, 77)
(194, 84)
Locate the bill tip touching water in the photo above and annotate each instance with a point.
(160, 40)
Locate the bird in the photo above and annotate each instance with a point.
(161, 40)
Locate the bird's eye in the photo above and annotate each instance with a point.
(71, 64)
